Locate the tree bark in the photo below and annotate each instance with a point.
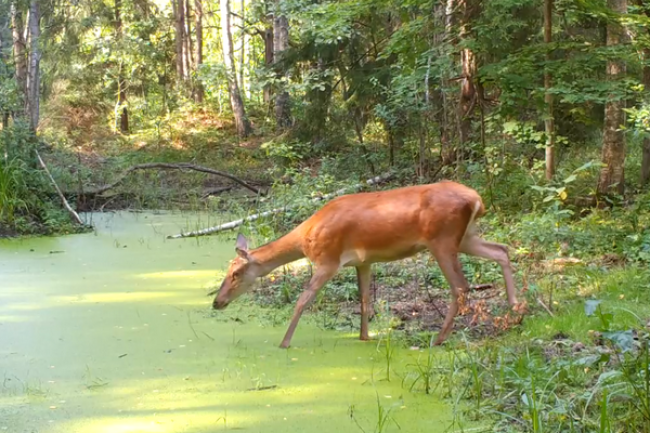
(20, 50)
(188, 48)
(178, 24)
(121, 109)
(549, 121)
(4, 48)
(198, 53)
(280, 45)
(236, 103)
(645, 161)
(33, 72)
(268, 60)
(612, 175)
(467, 101)
(242, 51)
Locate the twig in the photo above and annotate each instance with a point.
(168, 166)
(237, 223)
(72, 212)
(481, 286)
(548, 310)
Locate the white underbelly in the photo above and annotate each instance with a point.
(360, 257)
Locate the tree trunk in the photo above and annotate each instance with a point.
(4, 48)
(444, 15)
(549, 121)
(187, 39)
(467, 101)
(645, 162)
(178, 24)
(236, 103)
(121, 109)
(280, 45)
(198, 53)
(612, 175)
(20, 50)
(268, 60)
(33, 72)
(242, 51)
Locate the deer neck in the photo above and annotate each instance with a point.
(279, 252)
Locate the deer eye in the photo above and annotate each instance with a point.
(236, 274)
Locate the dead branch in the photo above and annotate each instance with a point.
(75, 215)
(168, 166)
(237, 223)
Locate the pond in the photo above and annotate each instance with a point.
(111, 331)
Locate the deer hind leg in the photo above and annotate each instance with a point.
(450, 266)
(475, 246)
(322, 275)
(363, 279)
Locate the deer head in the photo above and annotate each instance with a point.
(241, 275)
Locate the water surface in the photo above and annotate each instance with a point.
(112, 331)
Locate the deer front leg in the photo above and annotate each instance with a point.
(363, 279)
(318, 280)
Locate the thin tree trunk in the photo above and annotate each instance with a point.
(280, 45)
(268, 60)
(549, 121)
(242, 53)
(33, 72)
(467, 101)
(444, 15)
(645, 162)
(20, 50)
(121, 108)
(178, 24)
(188, 46)
(612, 175)
(236, 103)
(198, 53)
(5, 37)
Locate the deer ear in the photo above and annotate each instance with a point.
(241, 247)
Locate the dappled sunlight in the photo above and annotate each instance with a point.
(12, 318)
(182, 274)
(114, 297)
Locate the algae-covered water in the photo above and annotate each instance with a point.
(112, 331)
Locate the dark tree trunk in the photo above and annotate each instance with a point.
(33, 72)
(198, 53)
(280, 45)
(178, 24)
(121, 109)
(20, 55)
(549, 123)
(188, 47)
(470, 10)
(4, 48)
(268, 60)
(236, 103)
(612, 175)
(645, 162)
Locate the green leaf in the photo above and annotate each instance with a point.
(570, 178)
(590, 307)
(623, 339)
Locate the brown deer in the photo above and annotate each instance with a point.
(361, 229)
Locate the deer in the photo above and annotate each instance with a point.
(358, 230)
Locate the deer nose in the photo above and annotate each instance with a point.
(219, 304)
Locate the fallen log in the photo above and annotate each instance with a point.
(72, 212)
(233, 224)
(170, 166)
